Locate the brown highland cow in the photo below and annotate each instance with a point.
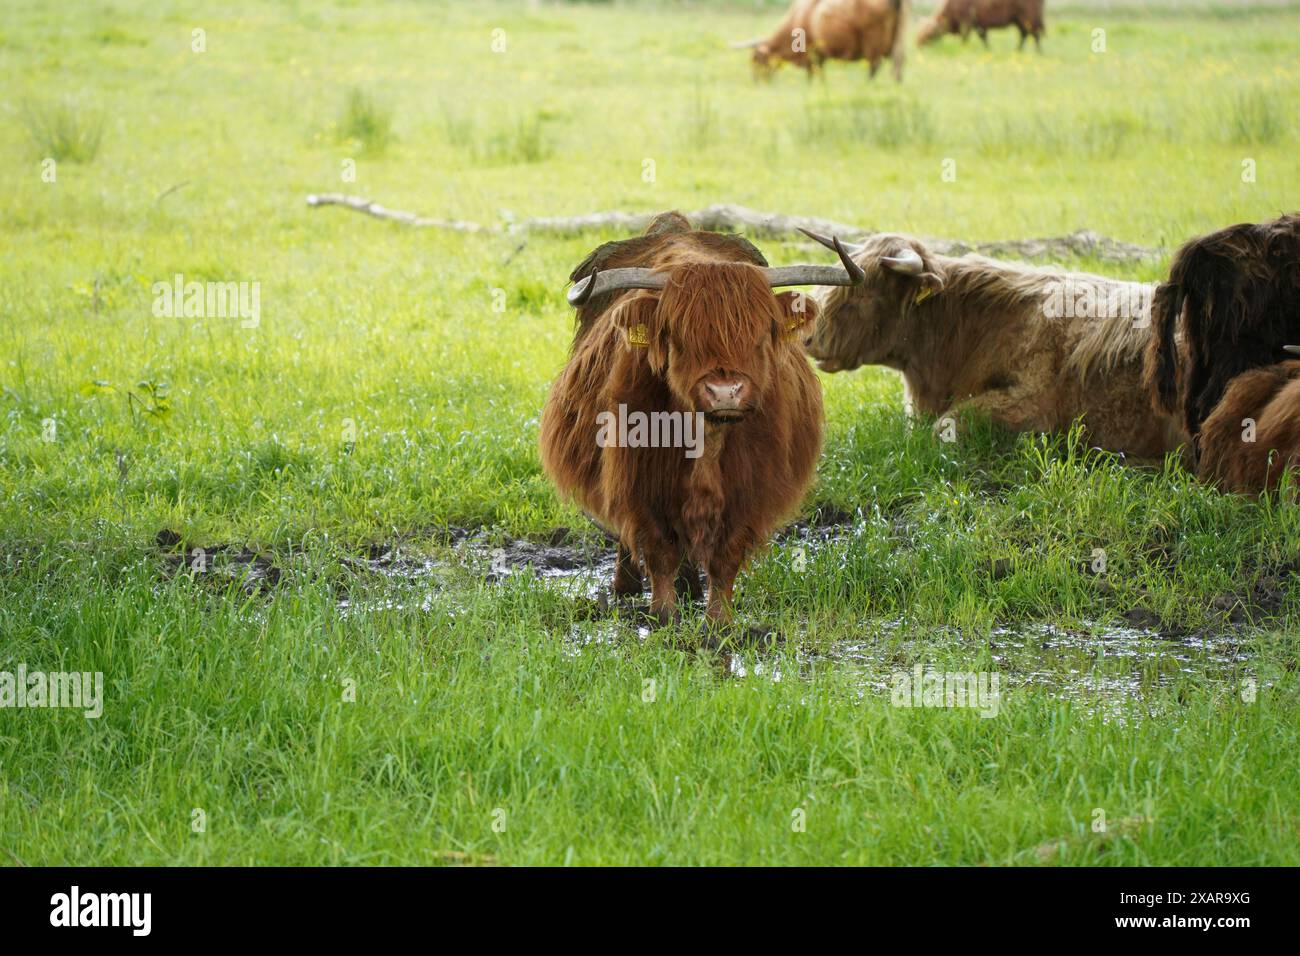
(1032, 349)
(814, 31)
(963, 16)
(687, 421)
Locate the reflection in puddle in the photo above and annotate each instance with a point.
(609, 634)
(1110, 670)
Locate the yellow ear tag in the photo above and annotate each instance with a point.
(792, 329)
(922, 294)
(639, 336)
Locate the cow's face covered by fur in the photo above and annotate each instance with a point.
(867, 324)
(715, 334)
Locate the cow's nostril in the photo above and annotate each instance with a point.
(725, 393)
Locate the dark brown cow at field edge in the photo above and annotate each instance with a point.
(1032, 349)
(682, 328)
(1224, 323)
(963, 16)
(814, 31)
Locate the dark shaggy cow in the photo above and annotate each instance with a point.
(1222, 325)
(1032, 349)
(1235, 295)
(963, 16)
(681, 326)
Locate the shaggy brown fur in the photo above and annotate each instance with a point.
(1235, 295)
(975, 334)
(717, 316)
(814, 31)
(1231, 455)
(963, 16)
(1221, 320)
(637, 251)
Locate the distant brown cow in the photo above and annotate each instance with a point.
(814, 31)
(788, 43)
(1224, 322)
(868, 30)
(1032, 349)
(963, 16)
(680, 335)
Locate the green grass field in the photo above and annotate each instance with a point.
(326, 703)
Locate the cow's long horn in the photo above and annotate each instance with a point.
(829, 241)
(614, 280)
(909, 263)
(746, 44)
(815, 275)
(847, 273)
(1293, 349)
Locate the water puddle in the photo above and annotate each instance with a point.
(576, 571)
(1112, 670)
(1108, 668)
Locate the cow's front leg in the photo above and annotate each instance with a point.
(663, 592)
(721, 584)
(723, 567)
(627, 575)
(662, 559)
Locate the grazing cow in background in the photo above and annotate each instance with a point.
(789, 42)
(1223, 324)
(680, 330)
(814, 31)
(963, 16)
(1033, 349)
(868, 30)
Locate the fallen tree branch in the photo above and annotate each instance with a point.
(725, 217)
(383, 212)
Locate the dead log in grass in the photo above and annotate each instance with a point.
(725, 217)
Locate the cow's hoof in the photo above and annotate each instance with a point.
(665, 616)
